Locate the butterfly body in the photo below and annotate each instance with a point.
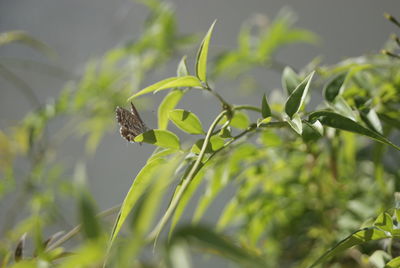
(130, 123)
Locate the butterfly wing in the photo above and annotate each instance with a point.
(131, 124)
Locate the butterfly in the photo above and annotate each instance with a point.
(130, 123)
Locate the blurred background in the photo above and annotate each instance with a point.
(79, 31)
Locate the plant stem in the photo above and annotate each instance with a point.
(247, 107)
(224, 103)
(186, 181)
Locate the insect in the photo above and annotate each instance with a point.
(130, 122)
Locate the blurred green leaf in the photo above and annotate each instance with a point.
(296, 99)
(187, 196)
(338, 121)
(172, 82)
(290, 80)
(240, 120)
(168, 104)
(205, 237)
(334, 87)
(394, 263)
(186, 121)
(201, 61)
(23, 37)
(87, 215)
(357, 238)
(159, 137)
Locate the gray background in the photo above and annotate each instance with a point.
(79, 30)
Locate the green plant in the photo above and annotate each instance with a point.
(300, 179)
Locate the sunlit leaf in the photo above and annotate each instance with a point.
(338, 121)
(172, 82)
(216, 142)
(182, 70)
(394, 263)
(167, 105)
(158, 137)
(240, 120)
(186, 121)
(296, 99)
(201, 61)
(139, 186)
(187, 196)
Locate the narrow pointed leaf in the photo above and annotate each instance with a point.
(186, 121)
(296, 99)
(184, 201)
(139, 186)
(296, 124)
(265, 109)
(168, 104)
(201, 62)
(172, 82)
(334, 87)
(182, 68)
(341, 122)
(158, 137)
(358, 237)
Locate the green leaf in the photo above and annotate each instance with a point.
(371, 118)
(186, 121)
(201, 62)
(338, 121)
(167, 105)
(216, 183)
(172, 82)
(240, 120)
(295, 123)
(296, 99)
(357, 238)
(334, 87)
(265, 110)
(395, 263)
(216, 142)
(184, 201)
(161, 152)
(290, 80)
(182, 68)
(139, 186)
(206, 238)
(343, 108)
(23, 37)
(159, 137)
(87, 213)
(384, 222)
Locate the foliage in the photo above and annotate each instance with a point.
(301, 180)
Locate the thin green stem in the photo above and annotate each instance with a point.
(247, 107)
(74, 231)
(186, 181)
(224, 103)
